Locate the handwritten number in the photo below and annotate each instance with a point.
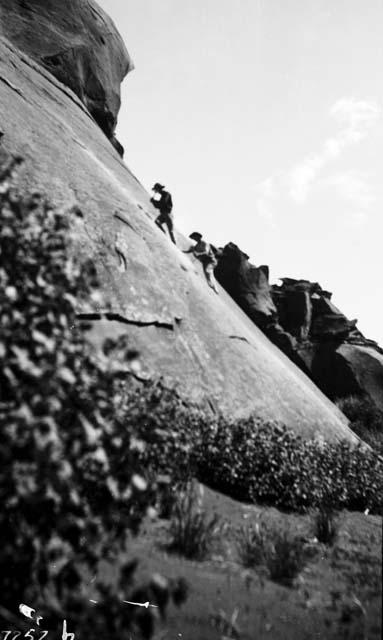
(17, 634)
(44, 634)
(6, 634)
(28, 634)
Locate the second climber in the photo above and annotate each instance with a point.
(204, 252)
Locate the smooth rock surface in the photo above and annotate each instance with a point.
(194, 338)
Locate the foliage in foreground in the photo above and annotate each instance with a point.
(84, 455)
(72, 484)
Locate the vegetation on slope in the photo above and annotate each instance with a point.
(85, 455)
(72, 485)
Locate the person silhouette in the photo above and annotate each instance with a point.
(165, 206)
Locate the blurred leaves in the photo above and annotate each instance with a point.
(73, 482)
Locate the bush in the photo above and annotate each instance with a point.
(326, 525)
(366, 420)
(72, 484)
(266, 463)
(192, 531)
(248, 459)
(254, 461)
(171, 429)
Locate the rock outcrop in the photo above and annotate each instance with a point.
(200, 341)
(79, 44)
(300, 318)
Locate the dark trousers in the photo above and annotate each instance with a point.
(167, 219)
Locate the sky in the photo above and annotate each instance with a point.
(264, 119)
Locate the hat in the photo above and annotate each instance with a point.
(195, 236)
(158, 186)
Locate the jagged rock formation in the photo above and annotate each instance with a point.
(79, 44)
(249, 287)
(299, 317)
(151, 291)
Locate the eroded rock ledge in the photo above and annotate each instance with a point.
(79, 44)
(300, 318)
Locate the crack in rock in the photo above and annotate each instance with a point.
(119, 318)
(240, 338)
(11, 86)
(120, 216)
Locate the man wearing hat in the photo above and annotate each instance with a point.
(204, 252)
(165, 205)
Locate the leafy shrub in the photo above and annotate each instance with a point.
(248, 459)
(252, 543)
(326, 525)
(72, 484)
(170, 429)
(266, 463)
(366, 420)
(285, 556)
(192, 531)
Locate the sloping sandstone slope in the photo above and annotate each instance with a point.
(184, 331)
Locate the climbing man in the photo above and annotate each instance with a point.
(165, 205)
(204, 252)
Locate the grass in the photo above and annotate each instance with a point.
(192, 530)
(220, 585)
(280, 551)
(326, 526)
(286, 557)
(251, 545)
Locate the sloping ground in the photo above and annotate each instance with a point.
(185, 332)
(322, 604)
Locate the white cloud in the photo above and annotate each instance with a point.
(300, 179)
(353, 187)
(357, 118)
(356, 114)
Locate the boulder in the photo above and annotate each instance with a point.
(246, 284)
(151, 292)
(300, 318)
(336, 355)
(79, 44)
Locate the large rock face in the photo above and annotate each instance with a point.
(299, 317)
(78, 43)
(159, 297)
